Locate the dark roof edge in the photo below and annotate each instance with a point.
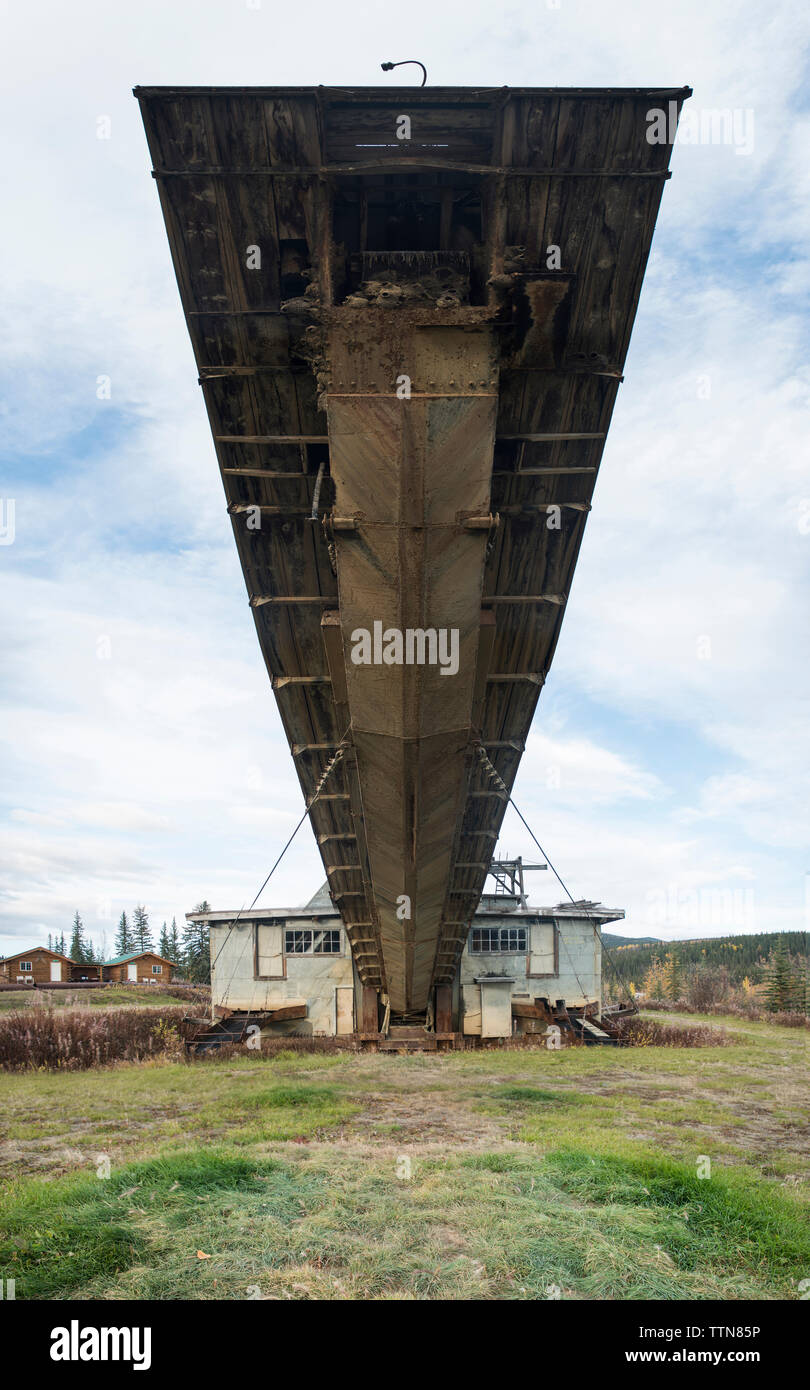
(217, 918)
(414, 93)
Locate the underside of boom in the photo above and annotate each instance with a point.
(410, 349)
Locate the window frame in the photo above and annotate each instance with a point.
(26, 967)
(311, 953)
(499, 950)
(157, 969)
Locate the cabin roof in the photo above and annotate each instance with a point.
(136, 955)
(594, 912)
(32, 950)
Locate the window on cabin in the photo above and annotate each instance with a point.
(489, 940)
(311, 943)
(157, 969)
(26, 965)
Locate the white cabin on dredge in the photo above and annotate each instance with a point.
(294, 968)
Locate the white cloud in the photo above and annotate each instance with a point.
(159, 771)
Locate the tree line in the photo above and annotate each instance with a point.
(187, 946)
(777, 980)
(743, 956)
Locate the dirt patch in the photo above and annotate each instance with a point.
(417, 1118)
(53, 1154)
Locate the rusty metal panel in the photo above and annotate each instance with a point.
(407, 470)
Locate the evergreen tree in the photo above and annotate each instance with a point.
(141, 933)
(780, 985)
(50, 942)
(654, 981)
(60, 945)
(163, 942)
(196, 950)
(78, 949)
(174, 943)
(123, 940)
(672, 977)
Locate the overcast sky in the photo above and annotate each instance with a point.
(142, 756)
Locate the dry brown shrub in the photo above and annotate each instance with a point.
(646, 1032)
(64, 1040)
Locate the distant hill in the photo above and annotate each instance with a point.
(744, 956)
(611, 940)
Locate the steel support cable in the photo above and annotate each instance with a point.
(310, 803)
(493, 773)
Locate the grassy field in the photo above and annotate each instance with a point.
(114, 997)
(492, 1175)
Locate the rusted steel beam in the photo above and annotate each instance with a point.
(271, 438)
(547, 438)
(515, 509)
(507, 472)
(258, 600)
(223, 372)
(239, 509)
(388, 166)
(279, 682)
(524, 598)
(274, 474)
(535, 677)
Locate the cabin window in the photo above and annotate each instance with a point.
(312, 943)
(487, 940)
(26, 965)
(157, 969)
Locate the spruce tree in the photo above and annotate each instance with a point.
(141, 933)
(672, 977)
(654, 984)
(196, 951)
(174, 943)
(163, 942)
(77, 946)
(123, 940)
(779, 984)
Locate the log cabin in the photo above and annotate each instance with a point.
(37, 966)
(139, 967)
(41, 966)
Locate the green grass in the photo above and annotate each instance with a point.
(116, 996)
(493, 1225)
(526, 1172)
